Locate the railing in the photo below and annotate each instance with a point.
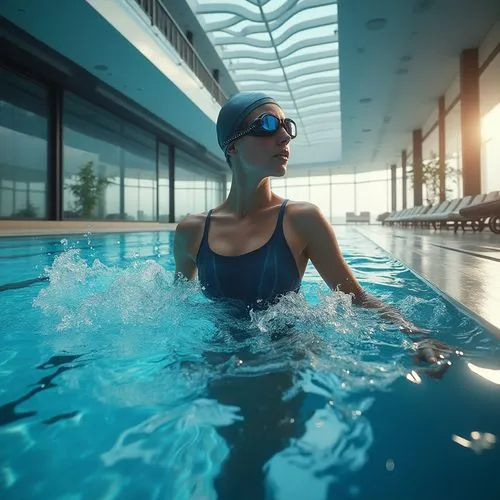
(160, 18)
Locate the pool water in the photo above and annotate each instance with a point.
(117, 384)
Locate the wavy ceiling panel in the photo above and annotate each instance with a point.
(287, 48)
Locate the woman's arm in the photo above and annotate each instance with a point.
(186, 236)
(323, 250)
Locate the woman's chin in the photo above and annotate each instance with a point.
(280, 169)
(279, 172)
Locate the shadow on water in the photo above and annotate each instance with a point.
(8, 412)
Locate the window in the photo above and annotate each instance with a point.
(23, 147)
(196, 188)
(109, 165)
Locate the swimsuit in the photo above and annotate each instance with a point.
(254, 279)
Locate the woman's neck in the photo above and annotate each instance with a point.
(249, 195)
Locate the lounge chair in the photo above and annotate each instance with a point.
(415, 212)
(440, 216)
(423, 219)
(479, 213)
(396, 216)
(455, 217)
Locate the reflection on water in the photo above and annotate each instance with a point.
(160, 393)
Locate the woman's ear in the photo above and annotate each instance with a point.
(231, 150)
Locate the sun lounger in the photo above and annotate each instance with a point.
(439, 217)
(480, 213)
(407, 220)
(422, 219)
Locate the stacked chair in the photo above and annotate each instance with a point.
(474, 212)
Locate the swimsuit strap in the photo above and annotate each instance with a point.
(281, 215)
(207, 226)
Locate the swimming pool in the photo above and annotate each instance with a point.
(115, 384)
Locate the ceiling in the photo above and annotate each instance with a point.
(402, 68)
(395, 58)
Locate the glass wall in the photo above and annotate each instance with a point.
(23, 147)
(336, 194)
(490, 150)
(430, 168)
(454, 152)
(196, 189)
(111, 168)
(109, 165)
(490, 126)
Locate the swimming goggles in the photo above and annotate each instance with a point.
(265, 125)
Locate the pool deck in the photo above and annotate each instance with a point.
(43, 228)
(465, 266)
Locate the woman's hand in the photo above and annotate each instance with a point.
(435, 353)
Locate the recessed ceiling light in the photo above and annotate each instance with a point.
(100, 67)
(422, 6)
(376, 24)
(365, 100)
(367, 130)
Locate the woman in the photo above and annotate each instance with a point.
(251, 250)
(254, 247)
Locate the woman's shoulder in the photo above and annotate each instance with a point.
(302, 210)
(191, 224)
(305, 217)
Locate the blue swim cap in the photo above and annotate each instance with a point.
(234, 112)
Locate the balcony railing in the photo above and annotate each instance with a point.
(161, 19)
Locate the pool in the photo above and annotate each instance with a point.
(115, 384)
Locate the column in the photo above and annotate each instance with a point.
(121, 159)
(156, 216)
(470, 122)
(55, 177)
(442, 149)
(417, 167)
(393, 187)
(171, 183)
(403, 165)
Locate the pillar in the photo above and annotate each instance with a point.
(171, 183)
(55, 180)
(403, 166)
(393, 188)
(470, 122)
(417, 167)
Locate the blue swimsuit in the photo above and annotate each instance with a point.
(255, 279)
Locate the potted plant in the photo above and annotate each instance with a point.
(87, 189)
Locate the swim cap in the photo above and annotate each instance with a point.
(233, 113)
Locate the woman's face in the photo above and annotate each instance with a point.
(268, 155)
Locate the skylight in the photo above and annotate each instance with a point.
(286, 48)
